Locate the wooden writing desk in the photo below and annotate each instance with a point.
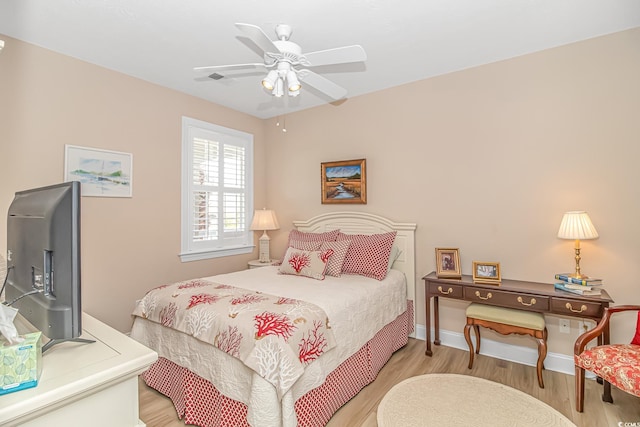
(531, 296)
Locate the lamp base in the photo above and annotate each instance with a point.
(264, 248)
(578, 274)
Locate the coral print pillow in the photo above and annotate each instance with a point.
(305, 263)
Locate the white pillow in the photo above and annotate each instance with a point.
(395, 253)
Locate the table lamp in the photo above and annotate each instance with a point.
(264, 220)
(576, 225)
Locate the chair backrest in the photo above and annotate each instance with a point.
(636, 338)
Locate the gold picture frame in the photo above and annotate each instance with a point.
(486, 272)
(344, 181)
(448, 263)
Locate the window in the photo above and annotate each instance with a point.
(217, 191)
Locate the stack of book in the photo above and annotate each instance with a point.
(581, 286)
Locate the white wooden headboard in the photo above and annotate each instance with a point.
(366, 223)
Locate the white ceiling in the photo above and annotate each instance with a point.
(160, 41)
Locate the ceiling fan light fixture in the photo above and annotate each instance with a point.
(285, 64)
(269, 82)
(278, 90)
(293, 82)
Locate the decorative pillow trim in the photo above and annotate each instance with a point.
(305, 263)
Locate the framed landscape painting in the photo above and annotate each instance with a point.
(344, 181)
(102, 173)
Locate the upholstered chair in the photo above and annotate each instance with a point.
(617, 364)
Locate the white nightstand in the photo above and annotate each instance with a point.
(257, 264)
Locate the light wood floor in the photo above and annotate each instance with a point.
(157, 410)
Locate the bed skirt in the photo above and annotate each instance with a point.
(199, 403)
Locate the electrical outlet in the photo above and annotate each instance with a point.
(565, 326)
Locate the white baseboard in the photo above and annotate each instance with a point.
(513, 353)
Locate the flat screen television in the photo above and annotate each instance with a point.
(43, 260)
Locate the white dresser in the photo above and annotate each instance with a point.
(83, 384)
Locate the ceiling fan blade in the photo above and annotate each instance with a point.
(258, 36)
(339, 55)
(322, 84)
(236, 67)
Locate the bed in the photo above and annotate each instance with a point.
(362, 321)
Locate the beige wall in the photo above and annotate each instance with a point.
(486, 159)
(129, 245)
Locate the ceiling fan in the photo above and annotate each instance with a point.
(286, 66)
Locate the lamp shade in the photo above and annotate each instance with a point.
(576, 225)
(264, 219)
(269, 81)
(293, 82)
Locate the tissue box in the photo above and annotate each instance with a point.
(20, 364)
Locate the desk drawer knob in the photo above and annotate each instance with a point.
(489, 296)
(582, 308)
(532, 301)
(450, 290)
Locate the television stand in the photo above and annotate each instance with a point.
(83, 385)
(51, 343)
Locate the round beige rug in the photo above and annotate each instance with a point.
(444, 400)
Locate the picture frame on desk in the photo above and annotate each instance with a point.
(448, 263)
(486, 272)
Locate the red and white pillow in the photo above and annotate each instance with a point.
(301, 236)
(305, 263)
(368, 255)
(305, 245)
(334, 267)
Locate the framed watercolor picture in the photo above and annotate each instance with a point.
(486, 272)
(448, 263)
(102, 173)
(344, 181)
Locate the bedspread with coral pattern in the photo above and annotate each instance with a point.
(274, 336)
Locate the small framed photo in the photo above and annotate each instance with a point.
(448, 263)
(486, 272)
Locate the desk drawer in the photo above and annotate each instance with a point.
(572, 307)
(507, 299)
(448, 290)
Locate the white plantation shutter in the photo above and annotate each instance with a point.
(217, 191)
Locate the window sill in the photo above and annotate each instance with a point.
(208, 254)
